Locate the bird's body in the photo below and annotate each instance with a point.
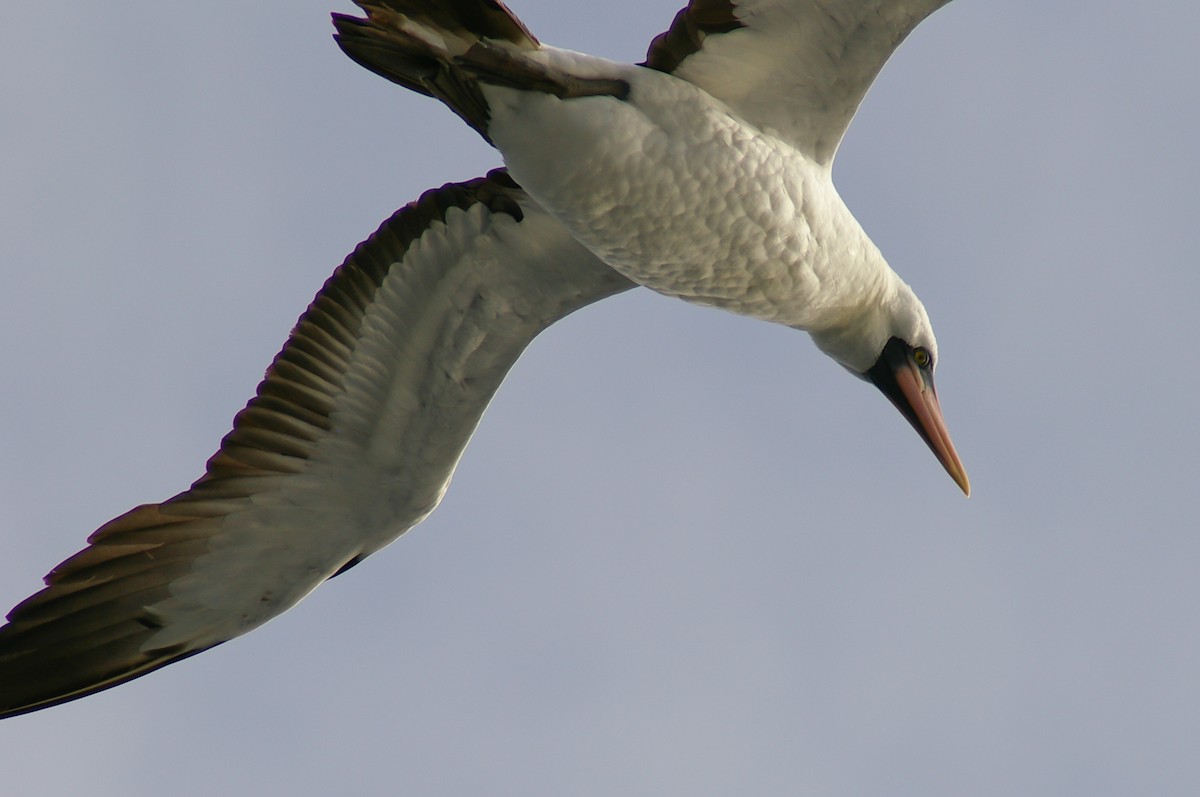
(704, 174)
(689, 200)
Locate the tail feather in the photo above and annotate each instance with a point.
(467, 20)
(404, 59)
(446, 49)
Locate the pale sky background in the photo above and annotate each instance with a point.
(685, 553)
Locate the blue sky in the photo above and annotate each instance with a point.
(685, 553)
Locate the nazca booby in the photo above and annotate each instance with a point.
(703, 173)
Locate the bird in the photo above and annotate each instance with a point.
(702, 173)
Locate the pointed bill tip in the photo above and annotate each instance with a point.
(910, 387)
(932, 427)
(959, 474)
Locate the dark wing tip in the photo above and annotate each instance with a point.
(89, 628)
(33, 680)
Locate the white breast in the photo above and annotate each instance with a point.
(687, 199)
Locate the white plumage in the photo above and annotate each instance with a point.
(704, 174)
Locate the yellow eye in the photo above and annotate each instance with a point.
(922, 358)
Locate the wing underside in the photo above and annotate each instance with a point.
(796, 68)
(351, 440)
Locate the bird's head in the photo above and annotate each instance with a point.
(891, 344)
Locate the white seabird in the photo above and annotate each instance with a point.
(703, 173)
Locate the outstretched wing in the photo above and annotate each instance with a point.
(795, 68)
(351, 440)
